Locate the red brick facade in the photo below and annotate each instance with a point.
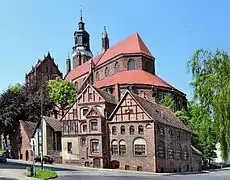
(44, 70)
(109, 126)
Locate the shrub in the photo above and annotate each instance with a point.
(45, 174)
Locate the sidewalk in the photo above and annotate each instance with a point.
(14, 174)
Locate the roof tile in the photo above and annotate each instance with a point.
(132, 77)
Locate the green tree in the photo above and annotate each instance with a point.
(168, 101)
(62, 93)
(211, 83)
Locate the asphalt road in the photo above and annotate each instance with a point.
(221, 175)
(13, 170)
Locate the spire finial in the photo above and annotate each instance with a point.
(68, 54)
(81, 13)
(105, 29)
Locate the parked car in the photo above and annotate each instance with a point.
(3, 158)
(46, 159)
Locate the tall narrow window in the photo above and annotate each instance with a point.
(95, 146)
(131, 130)
(114, 130)
(123, 130)
(97, 76)
(140, 129)
(94, 125)
(131, 64)
(69, 147)
(161, 149)
(122, 147)
(106, 72)
(178, 151)
(170, 151)
(117, 67)
(114, 146)
(185, 153)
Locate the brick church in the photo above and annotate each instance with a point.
(116, 121)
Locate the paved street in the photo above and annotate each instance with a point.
(15, 170)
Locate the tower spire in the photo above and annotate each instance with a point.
(81, 14)
(105, 40)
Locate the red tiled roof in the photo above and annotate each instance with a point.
(132, 77)
(130, 45)
(82, 69)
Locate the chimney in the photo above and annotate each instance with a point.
(68, 65)
(117, 92)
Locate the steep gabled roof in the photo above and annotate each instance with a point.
(127, 77)
(40, 62)
(82, 69)
(156, 112)
(107, 96)
(131, 45)
(54, 123)
(29, 127)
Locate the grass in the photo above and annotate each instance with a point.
(45, 174)
(2, 152)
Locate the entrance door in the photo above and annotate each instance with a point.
(27, 155)
(96, 163)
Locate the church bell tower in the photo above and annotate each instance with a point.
(81, 49)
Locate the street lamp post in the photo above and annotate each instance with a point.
(41, 128)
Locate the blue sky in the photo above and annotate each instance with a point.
(172, 30)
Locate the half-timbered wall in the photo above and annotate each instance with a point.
(132, 139)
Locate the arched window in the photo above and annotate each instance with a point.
(114, 130)
(97, 76)
(93, 125)
(114, 147)
(122, 129)
(178, 151)
(140, 129)
(140, 147)
(106, 72)
(122, 147)
(131, 130)
(161, 149)
(131, 64)
(186, 153)
(117, 67)
(170, 151)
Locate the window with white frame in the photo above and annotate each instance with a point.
(114, 147)
(94, 125)
(122, 147)
(140, 147)
(95, 146)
